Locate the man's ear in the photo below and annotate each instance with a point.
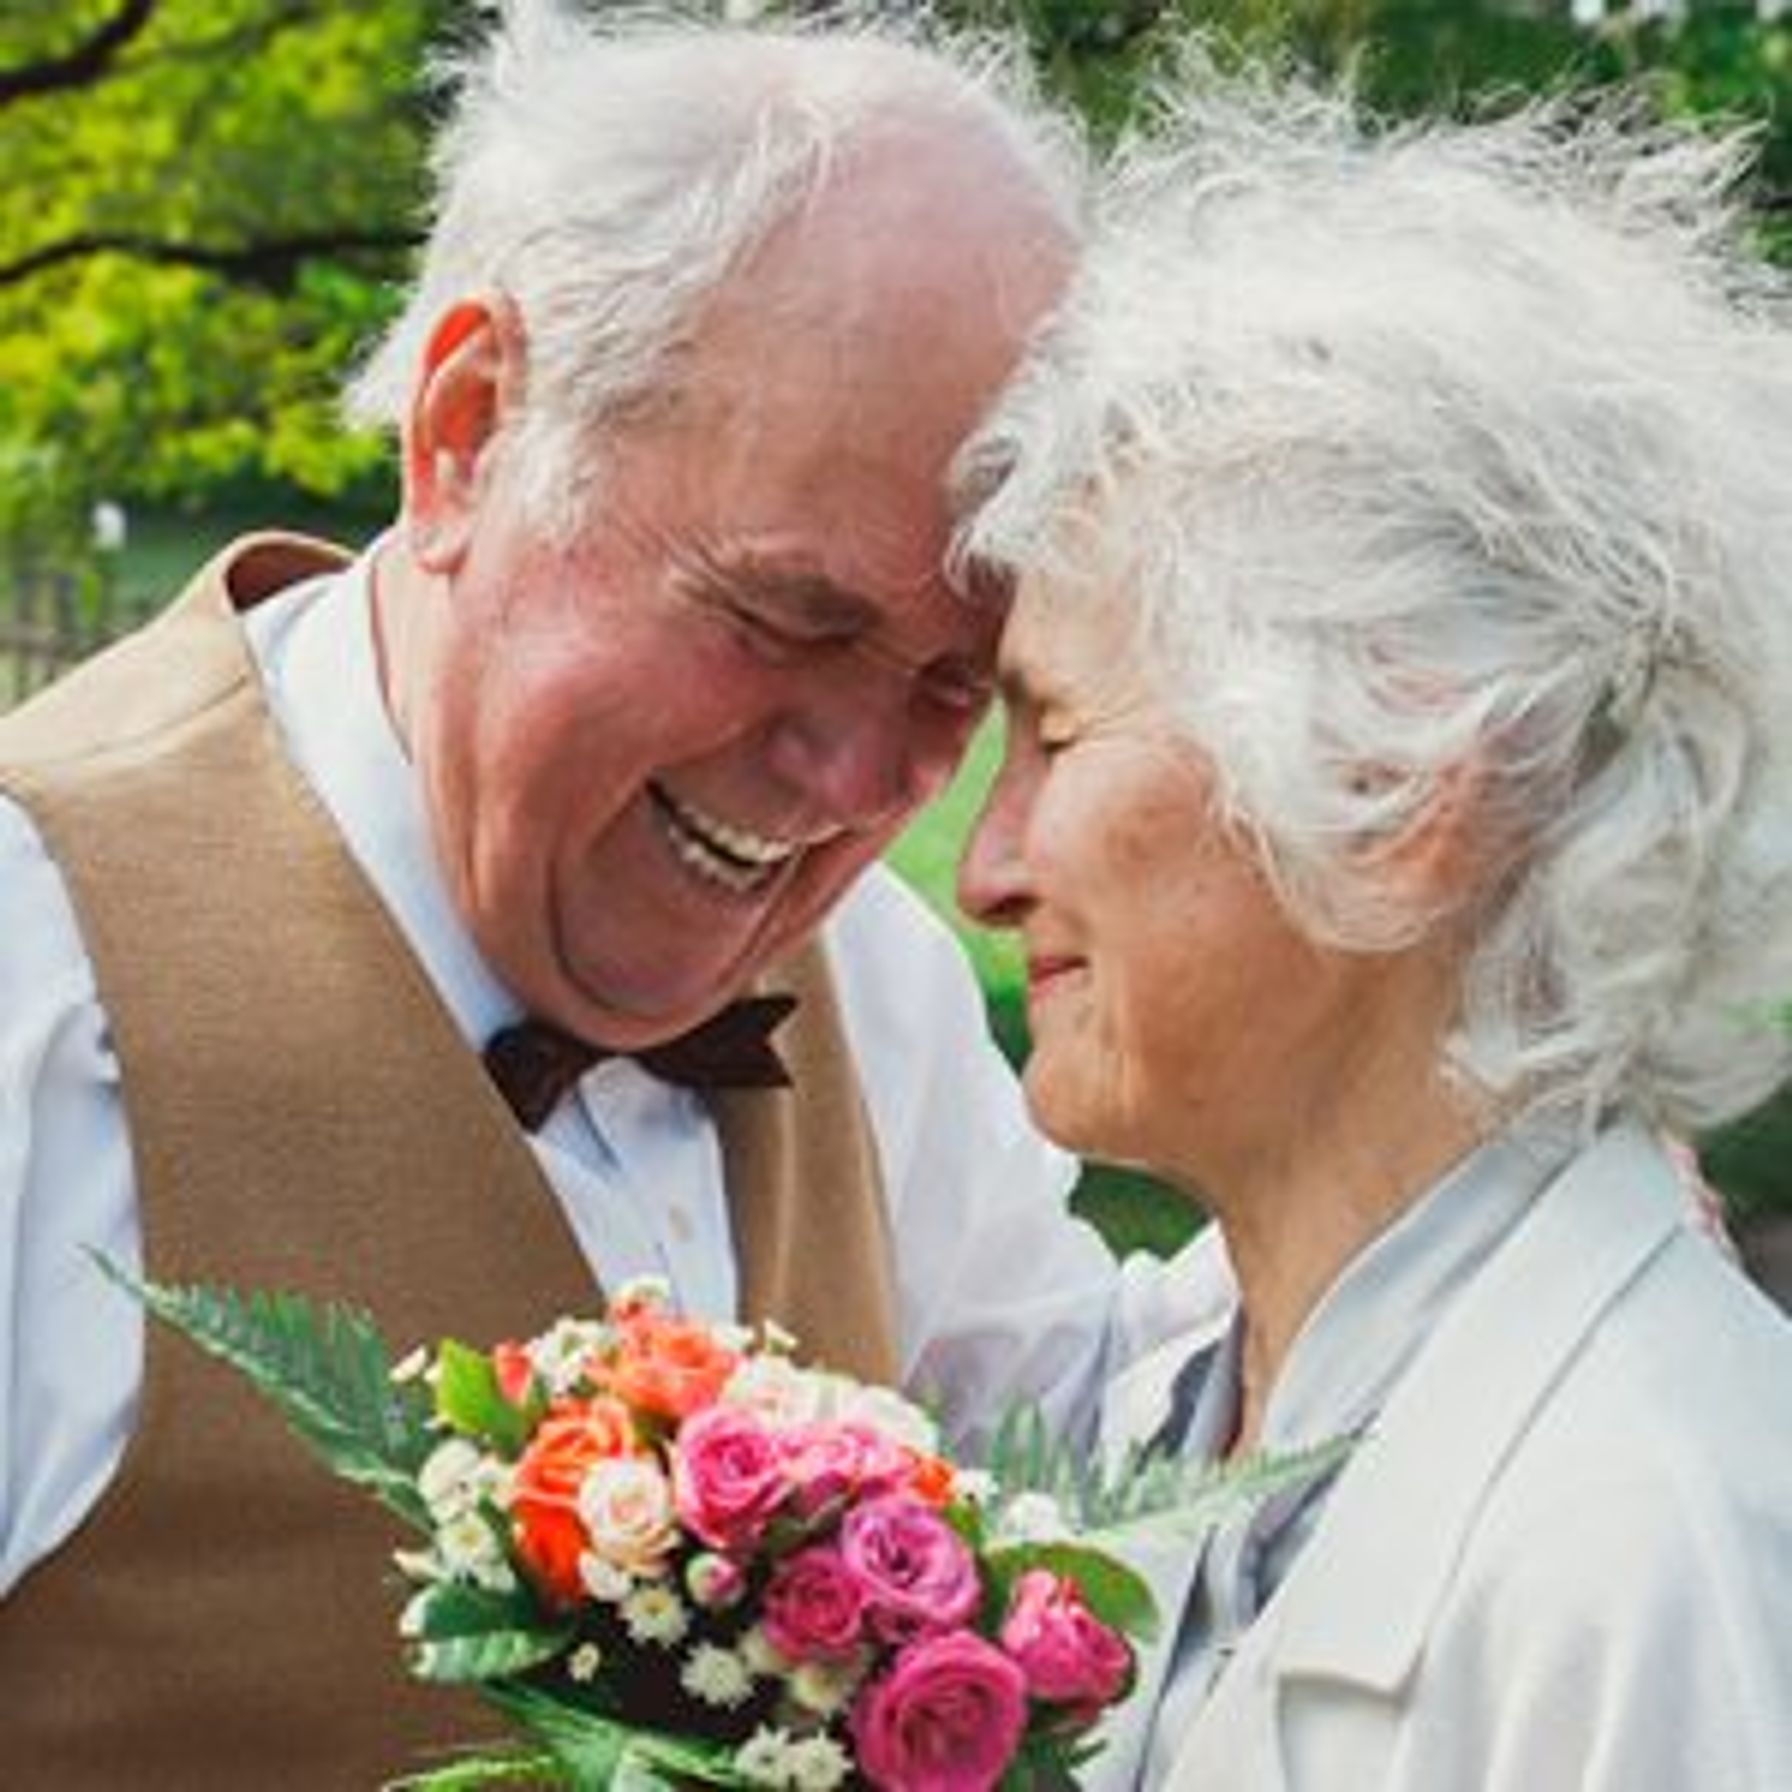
(471, 372)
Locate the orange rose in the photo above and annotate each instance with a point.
(930, 1478)
(544, 1502)
(668, 1367)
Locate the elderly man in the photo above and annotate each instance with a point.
(657, 657)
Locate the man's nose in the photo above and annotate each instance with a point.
(860, 764)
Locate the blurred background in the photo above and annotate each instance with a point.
(207, 206)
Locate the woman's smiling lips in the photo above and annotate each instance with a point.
(1045, 971)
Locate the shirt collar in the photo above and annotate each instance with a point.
(1374, 1319)
(315, 647)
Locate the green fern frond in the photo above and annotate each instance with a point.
(323, 1365)
(1145, 1485)
(1154, 1489)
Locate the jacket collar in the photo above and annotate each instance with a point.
(1359, 1604)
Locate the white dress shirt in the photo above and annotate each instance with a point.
(999, 1291)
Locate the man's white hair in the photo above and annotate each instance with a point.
(1453, 465)
(606, 174)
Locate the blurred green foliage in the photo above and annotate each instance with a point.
(208, 204)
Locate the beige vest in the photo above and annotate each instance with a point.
(304, 1114)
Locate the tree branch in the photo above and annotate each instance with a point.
(84, 64)
(272, 265)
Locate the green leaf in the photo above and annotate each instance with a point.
(599, 1752)
(470, 1400)
(1116, 1594)
(471, 1660)
(513, 1767)
(468, 1634)
(323, 1366)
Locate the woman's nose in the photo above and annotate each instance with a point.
(993, 886)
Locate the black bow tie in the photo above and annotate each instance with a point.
(534, 1063)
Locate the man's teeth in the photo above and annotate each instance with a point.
(731, 856)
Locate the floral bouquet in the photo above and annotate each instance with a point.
(670, 1554)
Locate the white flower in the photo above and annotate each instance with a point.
(817, 1764)
(975, 1486)
(560, 1354)
(604, 1581)
(454, 1477)
(777, 1338)
(764, 1758)
(757, 1652)
(1032, 1518)
(418, 1564)
(825, 1687)
(582, 1664)
(626, 1505)
(469, 1551)
(778, 1392)
(885, 1410)
(716, 1676)
(412, 1367)
(643, 1291)
(656, 1617)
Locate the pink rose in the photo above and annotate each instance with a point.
(814, 1606)
(829, 1461)
(947, 1717)
(726, 1477)
(1067, 1654)
(918, 1574)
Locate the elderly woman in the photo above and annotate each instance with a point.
(1396, 815)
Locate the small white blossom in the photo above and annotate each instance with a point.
(656, 1617)
(716, 1676)
(410, 1620)
(560, 1354)
(411, 1367)
(418, 1564)
(764, 1758)
(825, 1687)
(757, 1652)
(644, 1291)
(450, 1479)
(604, 1581)
(583, 1663)
(1032, 1518)
(975, 1486)
(817, 1764)
(777, 1338)
(469, 1551)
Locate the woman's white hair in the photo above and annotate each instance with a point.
(607, 173)
(1452, 465)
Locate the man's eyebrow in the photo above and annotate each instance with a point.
(808, 599)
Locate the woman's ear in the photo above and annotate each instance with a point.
(469, 379)
(1448, 855)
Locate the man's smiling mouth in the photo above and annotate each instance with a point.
(718, 851)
